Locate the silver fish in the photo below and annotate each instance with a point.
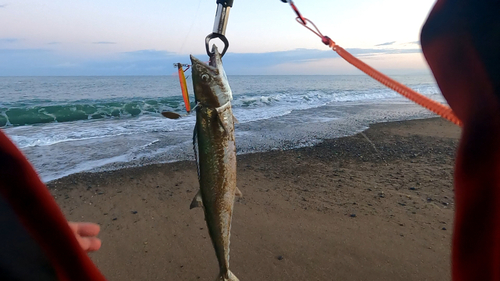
(215, 152)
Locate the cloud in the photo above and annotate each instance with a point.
(414, 43)
(25, 62)
(255, 62)
(54, 43)
(155, 62)
(386, 44)
(3, 5)
(142, 62)
(9, 40)
(149, 54)
(104, 43)
(46, 62)
(22, 53)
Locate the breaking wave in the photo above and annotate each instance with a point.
(21, 114)
(254, 105)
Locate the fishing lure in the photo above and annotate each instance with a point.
(182, 80)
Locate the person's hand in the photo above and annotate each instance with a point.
(85, 233)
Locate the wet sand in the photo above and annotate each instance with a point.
(374, 206)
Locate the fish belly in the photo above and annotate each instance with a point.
(217, 167)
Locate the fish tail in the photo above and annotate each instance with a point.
(230, 277)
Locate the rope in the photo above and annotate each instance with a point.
(438, 108)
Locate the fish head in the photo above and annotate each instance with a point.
(211, 88)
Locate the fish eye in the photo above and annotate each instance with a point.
(205, 77)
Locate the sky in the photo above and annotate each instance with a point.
(125, 37)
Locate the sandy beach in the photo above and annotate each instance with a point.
(374, 206)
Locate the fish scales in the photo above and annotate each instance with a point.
(216, 155)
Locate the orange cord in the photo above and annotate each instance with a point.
(440, 109)
(444, 111)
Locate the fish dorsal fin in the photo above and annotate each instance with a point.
(195, 148)
(197, 200)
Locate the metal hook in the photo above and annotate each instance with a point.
(221, 37)
(220, 23)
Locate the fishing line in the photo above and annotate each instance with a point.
(191, 27)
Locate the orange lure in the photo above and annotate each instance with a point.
(182, 80)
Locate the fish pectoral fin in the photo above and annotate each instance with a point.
(235, 120)
(238, 193)
(221, 122)
(197, 201)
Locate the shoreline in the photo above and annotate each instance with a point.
(288, 138)
(377, 205)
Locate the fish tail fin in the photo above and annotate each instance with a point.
(230, 277)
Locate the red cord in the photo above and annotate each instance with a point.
(297, 12)
(440, 109)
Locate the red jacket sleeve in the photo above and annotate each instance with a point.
(461, 42)
(38, 212)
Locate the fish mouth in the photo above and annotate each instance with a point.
(215, 58)
(212, 67)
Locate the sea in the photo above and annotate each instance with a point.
(67, 125)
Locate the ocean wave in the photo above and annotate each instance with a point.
(46, 140)
(260, 105)
(23, 114)
(56, 133)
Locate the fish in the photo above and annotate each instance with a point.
(215, 151)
